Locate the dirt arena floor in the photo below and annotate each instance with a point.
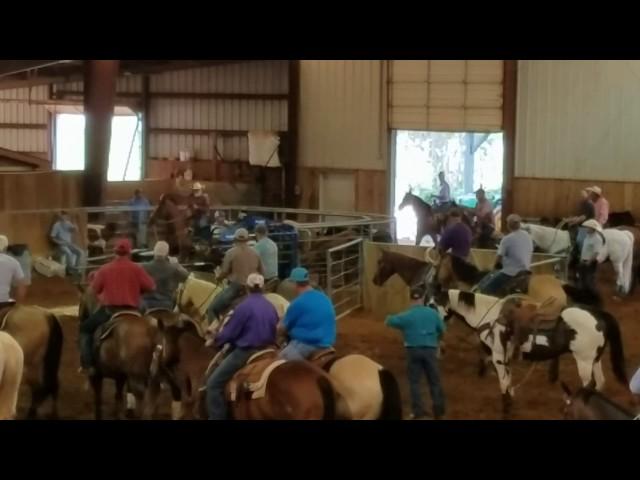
(468, 396)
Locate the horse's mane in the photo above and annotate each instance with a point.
(586, 394)
(420, 201)
(463, 270)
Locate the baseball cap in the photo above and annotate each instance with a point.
(299, 275)
(161, 249)
(255, 280)
(123, 246)
(241, 235)
(514, 217)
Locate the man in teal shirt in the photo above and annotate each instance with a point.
(422, 328)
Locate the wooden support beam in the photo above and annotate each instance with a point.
(99, 99)
(510, 85)
(25, 158)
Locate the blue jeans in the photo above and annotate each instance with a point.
(582, 234)
(224, 300)
(493, 283)
(216, 403)
(297, 350)
(73, 255)
(424, 361)
(87, 329)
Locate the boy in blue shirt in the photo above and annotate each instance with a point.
(422, 328)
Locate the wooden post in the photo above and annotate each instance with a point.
(99, 100)
(510, 86)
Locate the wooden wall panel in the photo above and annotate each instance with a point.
(40, 190)
(537, 197)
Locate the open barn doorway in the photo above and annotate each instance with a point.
(469, 161)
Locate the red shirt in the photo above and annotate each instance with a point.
(121, 283)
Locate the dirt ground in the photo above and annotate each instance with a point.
(468, 396)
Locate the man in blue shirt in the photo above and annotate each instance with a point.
(140, 211)
(422, 328)
(62, 235)
(251, 328)
(310, 321)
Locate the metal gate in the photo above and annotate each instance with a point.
(344, 276)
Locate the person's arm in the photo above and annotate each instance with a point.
(440, 326)
(233, 328)
(71, 226)
(147, 284)
(55, 231)
(18, 283)
(98, 282)
(225, 269)
(291, 316)
(445, 242)
(181, 273)
(395, 321)
(260, 266)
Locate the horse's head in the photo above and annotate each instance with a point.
(407, 200)
(385, 269)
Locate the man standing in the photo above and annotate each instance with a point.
(199, 206)
(514, 254)
(62, 235)
(444, 196)
(456, 237)
(591, 250)
(238, 263)
(586, 211)
(140, 207)
(12, 279)
(268, 251)
(600, 205)
(310, 321)
(166, 274)
(119, 285)
(422, 328)
(251, 328)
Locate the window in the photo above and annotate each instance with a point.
(125, 152)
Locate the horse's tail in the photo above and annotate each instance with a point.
(52, 356)
(614, 336)
(391, 400)
(328, 398)
(582, 296)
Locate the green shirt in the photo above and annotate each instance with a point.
(421, 326)
(268, 251)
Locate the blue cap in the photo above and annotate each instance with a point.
(299, 274)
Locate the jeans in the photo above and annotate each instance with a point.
(216, 403)
(87, 331)
(224, 300)
(424, 361)
(587, 272)
(493, 283)
(297, 350)
(582, 234)
(141, 235)
(72, 255)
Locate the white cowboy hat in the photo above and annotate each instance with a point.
(595, 189)
(593, 224)
(197, 186)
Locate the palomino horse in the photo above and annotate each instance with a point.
(39, 334)
(176, 223)
(11, 365)
(124, 350)
(583, 332)
(293, 390)
(589, 404)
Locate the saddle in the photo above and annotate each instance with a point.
(252, 379)
(324, 358)
(5, 309)
(106, 329)
(519, 283)
(523, 320)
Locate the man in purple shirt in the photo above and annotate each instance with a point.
(456, 236)
(251, 328)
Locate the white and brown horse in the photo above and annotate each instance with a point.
(11, 365)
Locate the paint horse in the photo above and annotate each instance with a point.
(583, 332)
(589, 404)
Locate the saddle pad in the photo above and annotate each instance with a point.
(253, 378)
(108, 327)
(256, 356)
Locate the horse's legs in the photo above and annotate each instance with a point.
(151, 399)
(119, 398)
(96, 385)
(598, 375)
(585, 370)
(504, 377)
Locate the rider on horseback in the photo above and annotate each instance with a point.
(443, 197)
(11, 277)
(166, 274)
(514, 254)
(251, 328)
(310, 321)
(456, 237)
(118, 285)
(238, 263)
(199, 206)
(268, 251)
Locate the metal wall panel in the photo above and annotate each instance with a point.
(578, 119)
(15, 109)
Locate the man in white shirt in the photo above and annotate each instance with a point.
(11, 277)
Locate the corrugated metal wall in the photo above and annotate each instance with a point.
(446, 95)
(578, 119)
(16, 111)
(343, 114)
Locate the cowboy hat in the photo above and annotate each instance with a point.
(595, 189)
(197, 186)
(241, 235)
(593, 224)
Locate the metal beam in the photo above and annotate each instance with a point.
(11, 67)
(293, 107)
(510, 85)
(99, 100)
(188, 95)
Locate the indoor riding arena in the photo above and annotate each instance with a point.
(404, 188)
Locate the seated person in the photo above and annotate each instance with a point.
(167, 275)
(62, 236)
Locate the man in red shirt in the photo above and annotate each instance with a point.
(119, 285)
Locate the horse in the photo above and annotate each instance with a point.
(590, 404)
(428, 223)
(582, 331)
(293, 391)
(549, 240)
(124, 350)
(39, 334)
(413, 272)
(176, 223)
(11, 366)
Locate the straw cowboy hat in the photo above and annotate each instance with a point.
(197, 186)
(593, 224)
(595, 189)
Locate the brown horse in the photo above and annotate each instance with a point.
(413, 272)
(175, 221)
(39, 334)
(294, 390)
(124, 350)
(427, 221)
(590, 404)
